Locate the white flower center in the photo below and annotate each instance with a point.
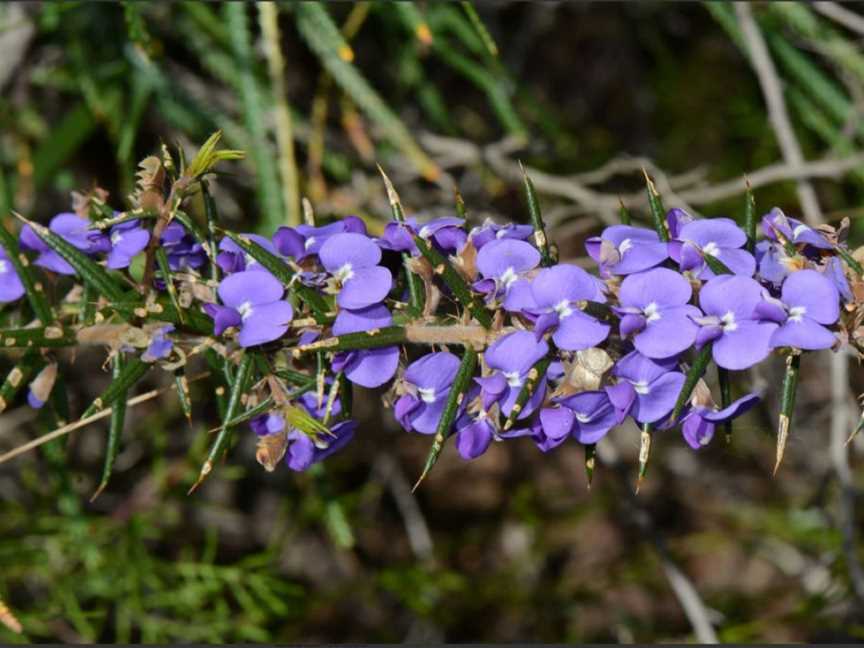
(641, 387)
(626, 244)
(427, 394)
(344, 273)
(425, 232)
(711, 248)
(651, 312)
(508, 277)
(245, 309)
(116, 237)
(728, 322)
(309, 242)
(582, 418)
(501, 233)
(563, 308)
(250, 260)
(796, 313)
(513, 378)
(4, 267)
(320, 443)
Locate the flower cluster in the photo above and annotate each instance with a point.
(559, 353)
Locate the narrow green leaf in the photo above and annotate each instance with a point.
(624, 214)
(165, 269)
(212, 216)
(115, 428)
(478, 25)
(47, 336)
(87, 269)
(374, 339)
(183, 395)
(716, 265)
(18, 377)
(658, 212)
(416, 292)
(35, 290)
(194, 320)
(540, 240)
(750, 218)
(461, 384)
(324, 39)
(700, 363)
(238, 388)
(130, 373)
(787, 405)
(535, 377)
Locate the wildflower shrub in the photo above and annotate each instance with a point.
(512, 343)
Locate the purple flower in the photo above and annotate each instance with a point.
(720, 238)
(353, 260)
(267, 424)
(835, 272)
(511, 357)
(11, 287)
(773, 262)
(305, 240)
(622, 249)
(491, 231)
(429, 380)
(586, 417)
(304, 451)
(677, 218)
(160, 345)
(740, 335)
(366, 367)
(699, 422)
(182, 249)
(253, 302)
(555, 296)
(127, 240)
(654, 308)
(446, 234)
(501, 263)
(474, 433)
(809, 302)
(72, 228)
(792, 230)
(647, 389)
(233, 259)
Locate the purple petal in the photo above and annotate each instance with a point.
(660, 286)
(579, 331)
(804, 334)
(770, 309)
(636, 367)
(289, 242)
(52, 261)
(557, 421)
(630, 324)
(434, 371)
(740, 262)
(519, 297)
(11, 287)
(733, 410)
(73, 228)
(403, 409)
(364, 319)
(127, 244)
(373, 367)
(707, 334)
(223, 317)
(689, 256)
(249, 287)
(29, 240)
(669, 335)
(697, 431)
(563, 283)
(426, 417)
(594, 413)
(301, 453)
(367, 286)
(815, 293)
(721, 232)
(622, 396)
(354, 250)
(473, 440)
(639, 248)
(499, 257)
(744, 347)
(677, 218)
(517, 351)
(265, 323)
(730, 293)
(660, 399)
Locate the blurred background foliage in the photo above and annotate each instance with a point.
(444, 96)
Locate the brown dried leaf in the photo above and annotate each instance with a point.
(271, 448)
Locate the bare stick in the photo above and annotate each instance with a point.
(778, 115)
(842, 16)
(75, 425)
